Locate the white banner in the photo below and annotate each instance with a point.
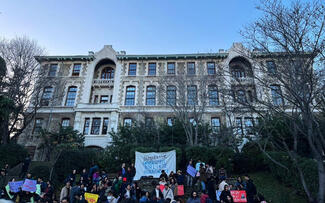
(151, 164)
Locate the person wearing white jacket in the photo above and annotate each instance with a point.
(168, 192)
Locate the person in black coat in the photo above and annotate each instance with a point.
(225, 195)
(250, 189)
(157, 195)
(211, 189)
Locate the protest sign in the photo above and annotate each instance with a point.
(238, 195)
(15, 186)
(180, 190)
(162, 187)
(29, 185)
(151, 164)
(191, 171)
(8, 192)
(38, 189)
(91, 198)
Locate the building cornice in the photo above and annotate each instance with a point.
(173, 56)
(65, 58)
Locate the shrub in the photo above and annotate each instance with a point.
(217, 156)
(75, 159)
(12, 154)
(251, 159)
(291, 177)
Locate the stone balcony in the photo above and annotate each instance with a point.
(243, 80)
(103, 82)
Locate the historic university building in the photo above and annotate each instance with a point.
(98, 92)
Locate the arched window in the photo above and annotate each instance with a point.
(213, 95)
(151, 96)
(47, 96)
(171, 95)
(107, 73)
(130, 96)
(71, 96)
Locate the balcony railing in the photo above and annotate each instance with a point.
(103, 82)
(243, 80)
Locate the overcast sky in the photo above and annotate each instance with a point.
(69, 27)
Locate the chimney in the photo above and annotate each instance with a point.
(123, 52)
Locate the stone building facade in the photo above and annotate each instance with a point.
(96, 93)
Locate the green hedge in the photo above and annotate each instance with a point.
(12, 154)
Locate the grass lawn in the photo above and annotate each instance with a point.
(273, 190)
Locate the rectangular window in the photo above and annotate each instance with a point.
(104, 99)
(65, 122)
(276, 95)
(52, 71)
(149, 122)
(96, 99)
(47, 96)
(249, 125)
(171, 68)
(170, 121)
(191, 68)
(239, 126)
(215, 124)
(211, 68)
(71, 96)
(76, 69)
(86, 126)
(152, 69)
(95, 126)
(132, 69)
(213, 95)
(271, 68)
(191, 95)
(105, 126)
(127, 122)
(171, 95)
(38, 125)
(192, 120)
(241, 96)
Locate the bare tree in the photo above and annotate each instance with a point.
(288, 46)
(186, 95)
(19, 86)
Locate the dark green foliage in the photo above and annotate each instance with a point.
(290, 177)
(64, 139)
(12, 154)
(40, 169)
(250, 160)
(217, 156)
(75, 159)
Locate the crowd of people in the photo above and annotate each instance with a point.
(208, 185)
